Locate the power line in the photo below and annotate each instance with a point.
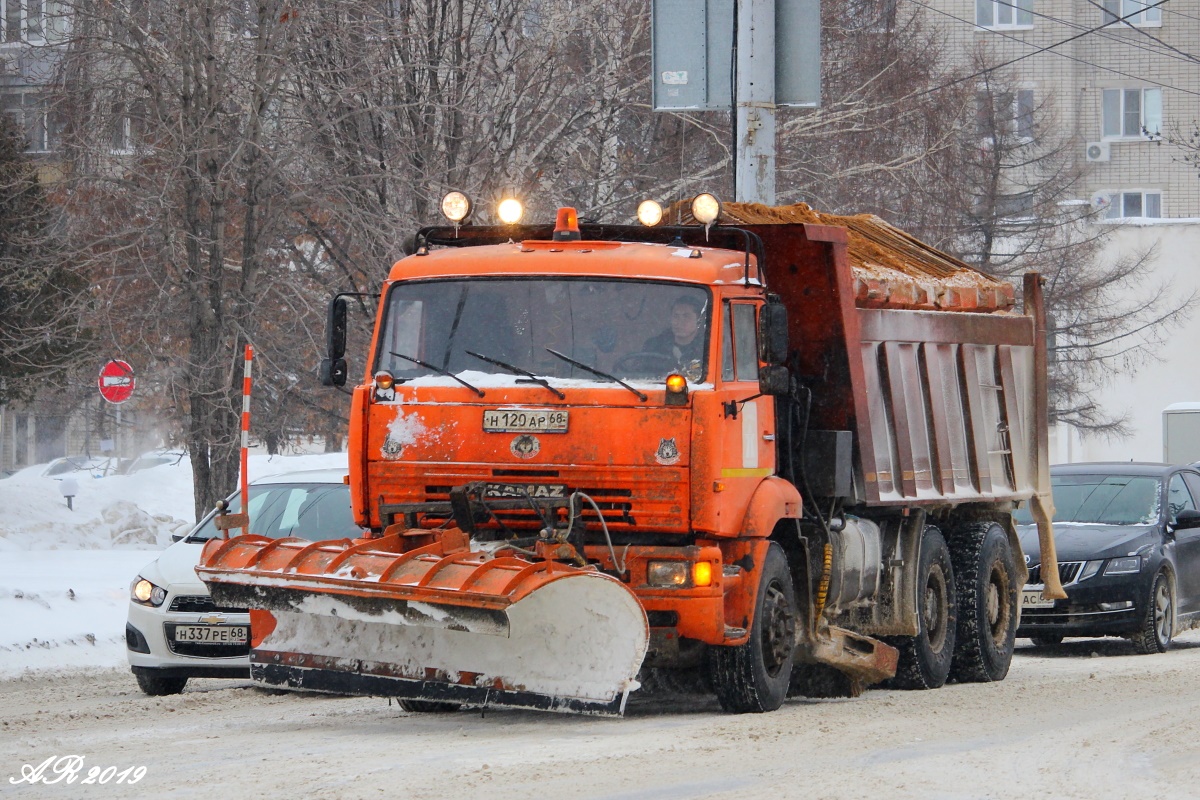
(1047, 48)
(1153, 38)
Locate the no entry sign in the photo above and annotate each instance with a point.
(116, 381)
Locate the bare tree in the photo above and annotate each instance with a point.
(1013, 199)
(41, 296)
(179, 193)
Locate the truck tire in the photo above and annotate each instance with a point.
(154, 683)
(1158, 619)
(925, 658)
(985, 576)
(754, 677)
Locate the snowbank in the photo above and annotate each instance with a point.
(65, 574)
(118, 512)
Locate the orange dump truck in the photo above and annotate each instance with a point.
(778, 453)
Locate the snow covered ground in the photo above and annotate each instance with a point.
(65, 573)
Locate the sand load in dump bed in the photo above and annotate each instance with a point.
(891, 268)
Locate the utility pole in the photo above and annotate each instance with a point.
(754, 181)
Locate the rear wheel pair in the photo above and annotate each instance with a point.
(966, 610)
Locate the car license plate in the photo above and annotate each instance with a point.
(1032, 598)
(212, 634)
(524, 420)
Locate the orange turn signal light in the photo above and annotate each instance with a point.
(384, 380)
(702, 572)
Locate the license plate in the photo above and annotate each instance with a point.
(1031, 598)
(521, 420)
(212, 634)
(538, 491)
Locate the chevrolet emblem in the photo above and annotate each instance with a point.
(213, 619)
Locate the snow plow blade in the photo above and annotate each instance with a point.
(437, 622)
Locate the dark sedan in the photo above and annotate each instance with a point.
(1128, 541)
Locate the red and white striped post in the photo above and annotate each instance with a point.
(246, 439)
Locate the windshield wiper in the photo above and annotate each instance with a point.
(518, 371)
(597, 372)
(438, 370)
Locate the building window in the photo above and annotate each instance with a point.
(1010, 114)
(22, 21)
(29, 112)
(1132, 113)
(1004, 13)
(1131, 205)
(1135, 12)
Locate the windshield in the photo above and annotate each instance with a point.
(1103, 499)
(313, 511)
(627, 329)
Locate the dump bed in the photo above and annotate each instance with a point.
(940, 392)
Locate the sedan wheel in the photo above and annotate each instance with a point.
(1158, 619)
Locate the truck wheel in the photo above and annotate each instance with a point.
(1158, 619)
(155, 684)
(984, 572)
(754, 677)
(925, 658)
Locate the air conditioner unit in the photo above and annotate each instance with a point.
(1098, 151)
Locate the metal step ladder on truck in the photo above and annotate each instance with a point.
(769, 447)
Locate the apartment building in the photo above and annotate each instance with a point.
(1120, 90)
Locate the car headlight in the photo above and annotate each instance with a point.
(146, 593)
(1124, 566)
(1090, 569)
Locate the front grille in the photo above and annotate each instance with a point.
(200, 604)
(613, 504)
(1068, 572)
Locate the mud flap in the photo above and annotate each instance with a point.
(860, 657)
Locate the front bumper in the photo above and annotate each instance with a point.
(1081, 614)
(149, 644)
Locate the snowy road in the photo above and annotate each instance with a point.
(1065, 724)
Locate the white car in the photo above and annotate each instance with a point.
(174, 631)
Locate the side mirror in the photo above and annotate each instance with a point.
(774, 380)
(335, 328)
(333, 372)
(1187, 518)
(773, 332)
(333, 367)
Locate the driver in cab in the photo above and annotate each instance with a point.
(683, 342)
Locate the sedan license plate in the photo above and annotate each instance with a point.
(212, 634)
(1033, 598)
(524, 420)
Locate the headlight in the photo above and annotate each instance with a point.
(1123, 566)
(146, 593)
(1090, 569)
(667, 573)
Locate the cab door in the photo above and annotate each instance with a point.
(741, 425)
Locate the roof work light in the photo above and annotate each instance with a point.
(510, 211)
